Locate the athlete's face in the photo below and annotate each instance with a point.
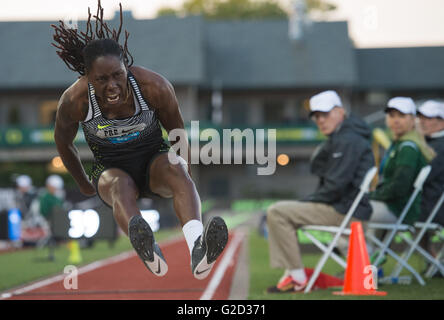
(108, 75)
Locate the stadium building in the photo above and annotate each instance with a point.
(227, 74)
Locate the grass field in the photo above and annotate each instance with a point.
(23, 266)
(262, 277)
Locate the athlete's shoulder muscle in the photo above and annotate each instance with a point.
(155, 88)
(73, 104)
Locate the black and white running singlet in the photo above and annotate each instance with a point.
(128, 144)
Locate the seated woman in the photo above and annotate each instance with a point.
(406, 156)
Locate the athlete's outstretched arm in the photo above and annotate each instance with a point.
(65, 131)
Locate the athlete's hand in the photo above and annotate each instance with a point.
(88, 189)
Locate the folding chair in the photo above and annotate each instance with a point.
(423, 227)
(396, 227)
(383, 246)
(440, 256)
(329, 251)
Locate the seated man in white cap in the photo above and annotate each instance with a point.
(341, 163)
(431, 118)
(24, 195)
(401, 163)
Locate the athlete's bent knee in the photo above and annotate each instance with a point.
(118, 187)
(177, 177)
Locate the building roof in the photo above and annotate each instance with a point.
(28, 59)
(172, 47)
(250, 54)
(401, 68)
(243, 54)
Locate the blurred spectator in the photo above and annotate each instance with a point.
(49, 200)
(431, 117)
(52, 197)
(25, 194)
(341, 163)
(406, 156)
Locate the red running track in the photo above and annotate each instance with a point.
(129, 279)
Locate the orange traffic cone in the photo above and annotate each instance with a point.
(359, 278)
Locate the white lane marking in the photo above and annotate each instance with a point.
(90, 267)
(222, 267)
(87, 268)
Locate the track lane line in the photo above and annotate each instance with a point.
(89, 267)
(223, 265)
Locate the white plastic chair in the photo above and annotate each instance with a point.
(414, 245)
(398, 226)
(364, 188)
(383, 246)
(440, 256)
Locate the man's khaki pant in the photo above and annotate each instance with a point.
(284, 218)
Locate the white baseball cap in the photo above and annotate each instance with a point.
(55, 181)
(404, 105)
(432, 109)
(23, 181)
(324, 101)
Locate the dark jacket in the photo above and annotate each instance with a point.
(434, 185)
(341, 163)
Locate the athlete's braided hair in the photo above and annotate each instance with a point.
(79, 50)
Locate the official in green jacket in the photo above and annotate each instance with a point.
(402, 162)
(51, 198)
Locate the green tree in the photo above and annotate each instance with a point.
(228, 9)
(320, 5)
(239, 9)
(166, 11)
(247, 9)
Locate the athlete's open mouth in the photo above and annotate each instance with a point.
(113, 98)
